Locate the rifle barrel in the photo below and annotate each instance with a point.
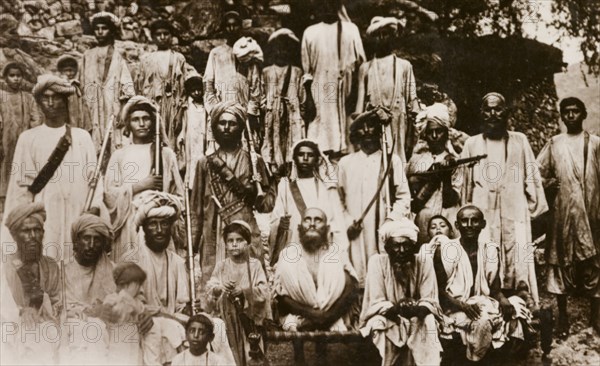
(98, 169)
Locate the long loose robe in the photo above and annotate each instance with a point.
(280, 135)
(65, 194)
(86, 287)
(382, 291)
(209, 216)
(359, 175)
(160, 78)
(294, 279)
(574, 234)
(209, 358)
(421, 162)
(389, 81)
(126, 167)
(507, 187)
(256, 305)
(196, 134)
(18, 112)
(226, 80)
(332, 77)
(104, 87)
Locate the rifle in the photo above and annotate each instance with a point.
(438, 169)
(188, 232)
(63, 283)
(254, 161)
(98, 171)
(157, 146)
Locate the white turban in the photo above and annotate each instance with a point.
(379, 22)
(105, 15)
(283, 32)
(398, 228)
(156, 204)
(436, 112)
(54, 83)
(246, 49)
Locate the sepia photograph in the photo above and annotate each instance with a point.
(300, 182)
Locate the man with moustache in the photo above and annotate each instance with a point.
(388, 81)
(225, 79)
(314, 284)
(400, 304)
(105, 80)
(33, 280)
(56, 162)
(570, 169)
(359, 176)
(507, 187)
(166, 286)
(225, 189)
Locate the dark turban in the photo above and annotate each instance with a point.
(228, 107)
(35, 210)
(161, 24)
(66, 61)
(91, 222)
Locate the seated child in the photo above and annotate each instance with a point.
(137, 332)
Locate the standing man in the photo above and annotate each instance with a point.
(224, 78)
(224, 189)
(161, 78)
(311, 183)
(130, 172)
(55, 163)
(388, 81)
(570, 169)
(332, 51)
(507, 187)
(18, 112)
(359, 176)
(105, 79)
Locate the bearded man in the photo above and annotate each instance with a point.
(507, 187)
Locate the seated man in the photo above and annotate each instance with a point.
(470, 292)
(400, 299)
(88, 281)
(314, 285)
(166, 286)
(33, 280)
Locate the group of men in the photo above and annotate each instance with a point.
(345, 243)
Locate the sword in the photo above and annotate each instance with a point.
(382, 183)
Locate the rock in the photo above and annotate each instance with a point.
(47, 32)
(70, 28)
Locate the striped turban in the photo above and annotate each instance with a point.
(106, 18)
(228, 107)
(156, 204)
(56, 84)
(91, 222)
(19, 214)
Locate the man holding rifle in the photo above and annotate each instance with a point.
(132, 170)
(363, 197)
(55, 164)
(507, 187)
(227, 187)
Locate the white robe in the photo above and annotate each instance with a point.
(65, 194)
(331, 77)
(359, 175)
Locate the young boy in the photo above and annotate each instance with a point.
(196, 136)
(18, 112)
(199, 333)
(67, 67)
(159, 336)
